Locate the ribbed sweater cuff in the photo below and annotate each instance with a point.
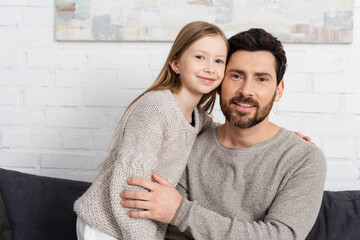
(181, 212)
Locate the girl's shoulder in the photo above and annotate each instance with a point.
(156, 98)
(154, 105)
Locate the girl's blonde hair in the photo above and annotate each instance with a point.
(167, 78)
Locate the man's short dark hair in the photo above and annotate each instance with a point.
(257, 39)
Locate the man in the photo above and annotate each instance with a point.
(248, 178)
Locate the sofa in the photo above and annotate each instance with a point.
(41, 208)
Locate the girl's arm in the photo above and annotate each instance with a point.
(142, 137)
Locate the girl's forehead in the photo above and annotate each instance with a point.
(213, 43)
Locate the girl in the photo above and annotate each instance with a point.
(156, 134)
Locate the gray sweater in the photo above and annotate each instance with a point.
(154, 136)
(272, 190)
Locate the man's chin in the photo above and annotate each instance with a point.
(240, 123)
(244, 122)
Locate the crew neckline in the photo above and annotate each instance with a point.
(252, 148)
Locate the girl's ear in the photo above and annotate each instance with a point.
(175, 66)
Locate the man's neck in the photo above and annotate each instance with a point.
(234, 137)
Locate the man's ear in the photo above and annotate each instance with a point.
(174, 64)
(279, 90)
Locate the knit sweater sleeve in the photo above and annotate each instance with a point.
(145, 128)
(291, 215)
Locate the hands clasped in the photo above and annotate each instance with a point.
(159, 204)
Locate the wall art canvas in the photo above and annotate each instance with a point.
(292, 21)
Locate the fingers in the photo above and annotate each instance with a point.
(135, 204)
(299, 134)
(139, 195)
(139, 214)
(306, 138)
(142, 183)
(161, 180)
(309, 140)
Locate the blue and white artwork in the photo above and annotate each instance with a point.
(306, 21)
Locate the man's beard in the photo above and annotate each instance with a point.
(240, 119)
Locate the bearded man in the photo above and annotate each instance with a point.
(247, 178)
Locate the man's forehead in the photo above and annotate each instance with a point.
(261, 60)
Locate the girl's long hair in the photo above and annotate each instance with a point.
(167, 78)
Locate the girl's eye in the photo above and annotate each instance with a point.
(199, 57)
(219, 61)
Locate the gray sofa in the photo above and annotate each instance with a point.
(41, 208)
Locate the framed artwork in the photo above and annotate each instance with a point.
(292, 21)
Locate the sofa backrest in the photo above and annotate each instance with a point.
(339, 217)
(40, 208)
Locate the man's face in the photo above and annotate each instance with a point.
(249, 88)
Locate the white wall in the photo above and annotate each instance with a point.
(59, 101)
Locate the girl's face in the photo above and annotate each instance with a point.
(202, 65)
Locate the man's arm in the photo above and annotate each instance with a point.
(290, 216)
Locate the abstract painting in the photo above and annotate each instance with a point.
(292, 21)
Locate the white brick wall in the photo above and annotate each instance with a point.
(10, 58)
(9, 96)
(18, 138)
(59, 101)
(9, 16)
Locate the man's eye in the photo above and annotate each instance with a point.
(262, 79)
(199, 57)
(235, 76)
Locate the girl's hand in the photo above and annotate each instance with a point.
(159, 204)
(308, 139)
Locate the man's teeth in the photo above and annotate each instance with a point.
(243, 104)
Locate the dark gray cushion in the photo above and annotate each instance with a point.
(40, 208)
(4, 223)
(339, 217)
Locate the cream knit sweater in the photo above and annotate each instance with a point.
(154, 136)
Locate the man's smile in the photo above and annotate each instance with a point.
(244, 107)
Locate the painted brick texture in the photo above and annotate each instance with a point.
(59, 101)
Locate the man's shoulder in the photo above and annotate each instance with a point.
(294, 140)
(207, 133)
(298, 148)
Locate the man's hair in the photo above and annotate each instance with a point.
(257, 39)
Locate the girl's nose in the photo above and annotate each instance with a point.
(209, 67)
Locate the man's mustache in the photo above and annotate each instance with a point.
(242, 99)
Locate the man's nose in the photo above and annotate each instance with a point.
(247, 88)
